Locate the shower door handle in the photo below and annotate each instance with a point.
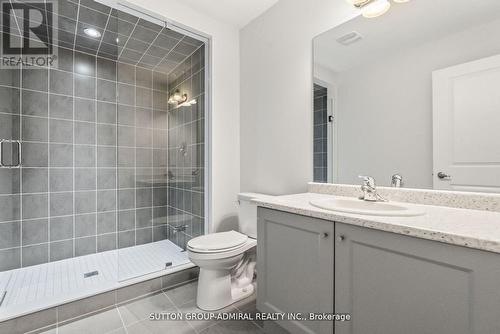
(19, 153)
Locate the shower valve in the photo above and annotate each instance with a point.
(180, 228)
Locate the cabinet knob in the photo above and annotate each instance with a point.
(341, 238)
(324, 235)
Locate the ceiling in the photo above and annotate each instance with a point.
(124, 37)
(235, 12)
(405, 25)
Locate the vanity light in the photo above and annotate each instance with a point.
(373, 8)
(91, 32)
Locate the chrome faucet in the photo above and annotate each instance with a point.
(370, 190)
(397, 181)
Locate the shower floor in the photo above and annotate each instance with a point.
(44, 285)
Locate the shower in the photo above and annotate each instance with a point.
(102, 173)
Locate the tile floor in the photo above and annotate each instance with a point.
(132, 318)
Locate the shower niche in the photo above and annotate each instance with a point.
(102, 162)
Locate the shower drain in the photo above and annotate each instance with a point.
(90, 274)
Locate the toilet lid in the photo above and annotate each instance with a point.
(217, 241)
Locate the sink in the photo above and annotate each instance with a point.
(361, 207)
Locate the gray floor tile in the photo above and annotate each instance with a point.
(199, 325)
(249, 305)
(183, 294)
(101, 323)
(141, 309)
(118, 331)
(160, 327)
(231, 327)
(246, 303)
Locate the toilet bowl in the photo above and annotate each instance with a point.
(227, 260)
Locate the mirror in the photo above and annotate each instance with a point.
(414, 92)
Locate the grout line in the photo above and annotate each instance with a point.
(129, 36)
(76, 26)
(117, 168)
(152, 147)
(165, 57)
(96, 138)
(103, 32)
(177, 308)
(103, 79)
(121, 318)
(21, 209)
(48, 163)
(135, 145)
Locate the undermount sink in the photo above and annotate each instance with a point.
(361, 207)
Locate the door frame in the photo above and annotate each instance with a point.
(332, 173)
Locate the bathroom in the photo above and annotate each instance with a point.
(201, 157)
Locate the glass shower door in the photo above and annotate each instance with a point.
(142, 132)
(10, 225)
(160, 164)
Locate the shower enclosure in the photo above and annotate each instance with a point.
(103, 164)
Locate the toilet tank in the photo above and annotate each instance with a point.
(247, 214)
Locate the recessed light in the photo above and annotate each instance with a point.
(92, 32)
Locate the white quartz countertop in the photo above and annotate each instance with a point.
(463, 227)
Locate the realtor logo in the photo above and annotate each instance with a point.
(28, 33)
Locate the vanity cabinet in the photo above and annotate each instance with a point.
(393, 284)
(389, 283)
(295, 268)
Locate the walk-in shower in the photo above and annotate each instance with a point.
(102, 153)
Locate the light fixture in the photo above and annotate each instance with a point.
(373, 8)
(91, 32)
(177, 98)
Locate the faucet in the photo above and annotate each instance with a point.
(397, 181)
(370, 190)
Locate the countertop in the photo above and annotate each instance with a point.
(463, 227)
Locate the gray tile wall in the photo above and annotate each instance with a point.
(94, 136)
(186, 151)
(320, 134)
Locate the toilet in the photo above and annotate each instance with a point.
(227, 260)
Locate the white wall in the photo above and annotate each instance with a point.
(389, 129)
(225, 105)
(325, 74)
(276, 93)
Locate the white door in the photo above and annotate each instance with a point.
(466, 121)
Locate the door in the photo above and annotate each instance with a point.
(295, 268)
(393, 284)
(466, 118)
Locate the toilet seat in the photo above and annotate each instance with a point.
(217, 242)
(235, 251)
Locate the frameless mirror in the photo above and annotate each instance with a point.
(413, 92)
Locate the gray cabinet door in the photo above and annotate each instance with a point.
(295, 268)
(394, 284)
